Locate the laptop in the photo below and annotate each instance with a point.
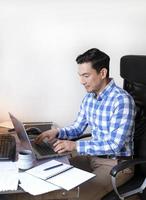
(7, 147)
(40, 151)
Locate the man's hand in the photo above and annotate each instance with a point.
(50, 135)
(62, 146)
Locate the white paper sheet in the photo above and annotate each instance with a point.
(34, 185)
(71, 178)
(8, 176)
(66, 179)
(39, 171)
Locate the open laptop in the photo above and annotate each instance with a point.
(40, 151)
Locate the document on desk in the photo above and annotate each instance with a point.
(60, 174)
(8, 175)
(71, 178)
(34, 185)
(48, 169)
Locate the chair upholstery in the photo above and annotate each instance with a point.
(133, 71)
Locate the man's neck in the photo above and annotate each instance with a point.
(104, 84)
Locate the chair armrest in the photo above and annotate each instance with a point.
(119, 167)
(86, 135)
(125, 164)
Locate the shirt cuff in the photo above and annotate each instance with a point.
(80, 147)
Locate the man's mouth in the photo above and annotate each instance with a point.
(86, 87)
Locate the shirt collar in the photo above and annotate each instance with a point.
(105, 92)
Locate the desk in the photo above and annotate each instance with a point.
(58, 194)
(54, 195)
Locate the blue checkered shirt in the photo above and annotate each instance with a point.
(110, 116)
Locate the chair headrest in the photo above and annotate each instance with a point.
(133, 68)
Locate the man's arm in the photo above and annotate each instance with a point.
(77, 128)
(120, 131)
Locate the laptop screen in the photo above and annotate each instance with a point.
(21, 133)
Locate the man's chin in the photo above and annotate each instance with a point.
(89, 91)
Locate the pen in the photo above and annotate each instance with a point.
(52, 167)
(59, 172)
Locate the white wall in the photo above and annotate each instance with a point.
(39, 41)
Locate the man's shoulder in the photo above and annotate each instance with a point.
(120, 91)
(121, 94)
(114, 91)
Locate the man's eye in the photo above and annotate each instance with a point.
(86, 76)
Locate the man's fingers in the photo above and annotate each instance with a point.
(40, 138)
(57, 143)
(62, 146)
(59, 146)
(61, 151)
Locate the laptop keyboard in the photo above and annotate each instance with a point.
(7, 147)
(43, 148)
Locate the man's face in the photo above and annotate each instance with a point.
(90, 79)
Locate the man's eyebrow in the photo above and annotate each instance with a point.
(83, 74)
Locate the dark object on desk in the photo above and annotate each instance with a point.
(11, 130)
(42, 126)
(33, 131)
(34, 128)
(7, 147)
(133, 71)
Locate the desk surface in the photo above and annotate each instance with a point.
(20, 194)
(58, 194)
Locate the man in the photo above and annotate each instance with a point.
(109, 111)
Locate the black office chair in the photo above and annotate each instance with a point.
(133, 71)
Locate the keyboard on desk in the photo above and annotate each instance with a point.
(7, 147)
(43, 148)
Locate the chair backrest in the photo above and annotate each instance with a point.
(133, 71)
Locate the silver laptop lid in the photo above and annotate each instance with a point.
(21, 133)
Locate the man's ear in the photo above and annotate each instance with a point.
(103, 73)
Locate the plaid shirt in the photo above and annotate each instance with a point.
(110, 116)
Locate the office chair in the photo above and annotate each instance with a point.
(133, 71)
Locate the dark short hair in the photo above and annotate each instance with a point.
(97, 58)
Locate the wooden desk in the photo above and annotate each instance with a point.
(54, 195)
(58, 194)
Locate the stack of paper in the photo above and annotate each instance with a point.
(35, 186)
(49, 169)
(60, 174)
(8, 176)
(50, 176)
(71, 178)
